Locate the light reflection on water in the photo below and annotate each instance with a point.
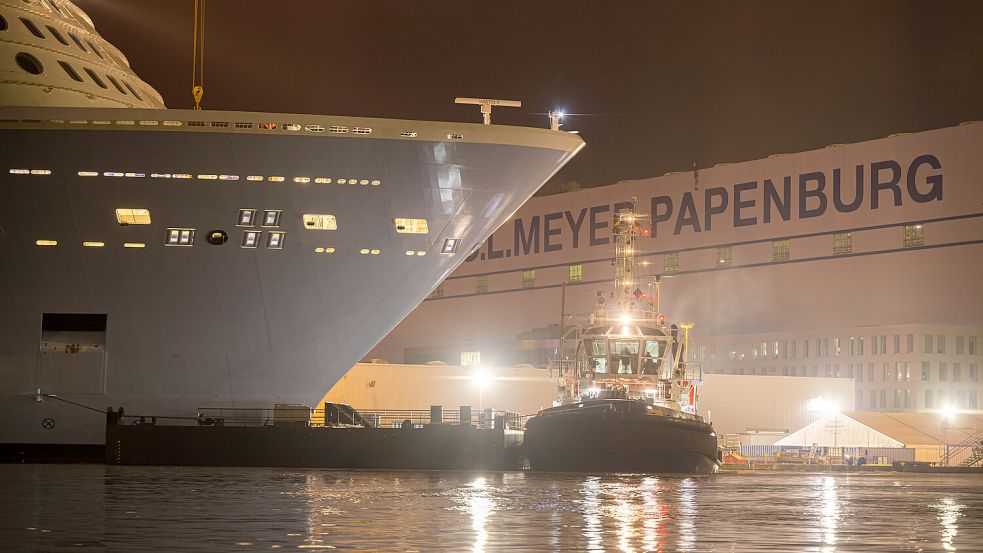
(100, 508)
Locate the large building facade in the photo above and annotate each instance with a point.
(860, 261)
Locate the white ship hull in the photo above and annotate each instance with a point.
(221, 325)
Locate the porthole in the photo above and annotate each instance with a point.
(29, 63)
(217, 237)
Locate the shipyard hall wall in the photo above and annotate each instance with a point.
(860, 261)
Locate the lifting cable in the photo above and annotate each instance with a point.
(198, 56)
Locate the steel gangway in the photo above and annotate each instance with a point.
(974, 445)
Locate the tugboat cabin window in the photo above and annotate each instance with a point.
(624, 356)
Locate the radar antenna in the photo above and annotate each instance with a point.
(198, 56)
(486, 105)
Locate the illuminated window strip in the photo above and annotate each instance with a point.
(93, 244)
(46, 242)
(88, 173)
(208, 177)
(134, 245)
(324, 250)
(302, 180)
(322, 180)
(160, 175)
(276, 179)
(254, 178)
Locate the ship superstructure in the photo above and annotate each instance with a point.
(166, 260)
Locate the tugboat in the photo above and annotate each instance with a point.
(628, 396)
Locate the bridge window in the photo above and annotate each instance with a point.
(70, 71)
(274, 240)
(130, 216)
(31, 27)
(271, 218)
(528, 279)
(116, 84)
(411, 226)
(78, 42)
(317, 221)
(95, 78)
(481, 286)
(725, 256)
(54, 32)
(576, 273)
(671, 264)
(250, 238)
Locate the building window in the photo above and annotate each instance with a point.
(870, 372)
(779, 250)
(438, 292)
(274, 240)
(873, 345)
(725, 256)
(943, 371)
(180, 237)
(576, 273)
(470, 358)
(271, 218)
(972, 345)
(914, 236)
(911, 343)
(928, 399)
(972, 400)
(926, 372)
(130, 216)
(897, 343)
(960, 344)
(528, 279)
(974, 372)
(671, 263)
(883, 399)
(317, 221)
(957, 372)
(928, 343)
(940, 343)
(250, 238)
(481, 286)
(411, 226)
(842, 242)
(873, 399)
(247, 218)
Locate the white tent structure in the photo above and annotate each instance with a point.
(838, 430)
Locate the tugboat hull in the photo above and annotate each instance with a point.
(619, 436)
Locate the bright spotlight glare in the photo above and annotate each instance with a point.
(948, 411)
(625, 319)
(822, 405)
(481, 378)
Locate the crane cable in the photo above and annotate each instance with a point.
(198, 56)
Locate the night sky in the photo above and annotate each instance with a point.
(661, 85)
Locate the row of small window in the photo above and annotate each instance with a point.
(252, 178)
(901, 372)
(961, 343)
(959, 399)
(90, 244)
(250, 238)
(32, 65)
(81, 44)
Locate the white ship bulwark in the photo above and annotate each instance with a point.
(167, 260)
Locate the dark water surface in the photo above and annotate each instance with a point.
(106, 508)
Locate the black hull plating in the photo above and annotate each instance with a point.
(619, 437)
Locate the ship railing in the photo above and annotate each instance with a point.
(483, 418)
